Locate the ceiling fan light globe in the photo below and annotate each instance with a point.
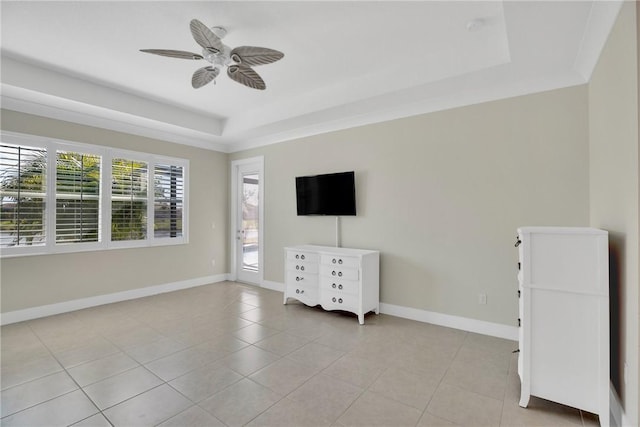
(217, 58)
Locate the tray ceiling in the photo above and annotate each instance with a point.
(346, 63)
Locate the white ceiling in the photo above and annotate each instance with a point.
(346, 63)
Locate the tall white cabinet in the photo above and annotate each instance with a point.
(564, 317)
(336, 278)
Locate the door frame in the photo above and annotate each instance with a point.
(235, 188)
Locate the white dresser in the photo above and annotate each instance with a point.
(336, 278)
(564, 317)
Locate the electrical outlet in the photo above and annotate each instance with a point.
(482, 299)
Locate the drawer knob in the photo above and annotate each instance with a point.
(297, 291)
(299, 278)
(297, 256)
(297, 267)
(340, 300)
(339, 286)
(301, 256)
(333, 273)
(333, 260)
(333, 286)
(333, 299)
(339, 273)
(340, 261)
(302, 268)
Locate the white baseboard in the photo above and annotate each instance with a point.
(618, 417)
(274, 286)
(78, 304)
(456, 322)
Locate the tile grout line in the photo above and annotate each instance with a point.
(72, 379)
(425, 410)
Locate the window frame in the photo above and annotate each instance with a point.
(107, 154)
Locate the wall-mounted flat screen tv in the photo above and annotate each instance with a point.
(328, 194)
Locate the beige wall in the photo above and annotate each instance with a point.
(614, 191)
(440, 195)
(33, 281)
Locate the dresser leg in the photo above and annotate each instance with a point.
(524, 399)
(285, 299)
(361, 319)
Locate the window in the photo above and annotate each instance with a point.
(58, 196)
(23, 180)
(168, 188)
(77, 197)
(129, 199)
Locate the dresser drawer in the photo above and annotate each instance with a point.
(340, 286)
(338, 301)
(340, 261)
(302, 256)
(306, 294)
(302, 266)
(336, 272)
(302, 279)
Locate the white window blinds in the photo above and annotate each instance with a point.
(168, 201)
(23, 195)
(62, 196)
(77, 197)
(129, 183)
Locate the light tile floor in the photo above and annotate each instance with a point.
(228, 354)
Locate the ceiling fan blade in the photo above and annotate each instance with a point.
(252, 55)
(246, 75)
(173, 53)
(204, 75)
(205, 37)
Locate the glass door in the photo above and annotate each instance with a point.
(248, 221)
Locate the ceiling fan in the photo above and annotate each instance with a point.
(238, 60)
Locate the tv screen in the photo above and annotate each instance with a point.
(328, 194)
